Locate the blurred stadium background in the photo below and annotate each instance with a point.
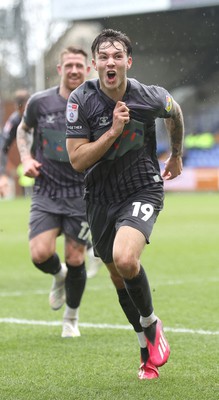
(175, 43)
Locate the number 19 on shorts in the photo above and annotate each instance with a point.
(145, 209)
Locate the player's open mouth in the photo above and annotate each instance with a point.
(111, 75)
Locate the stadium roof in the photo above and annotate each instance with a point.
(177, 48)
(90, 9)
(174, 48)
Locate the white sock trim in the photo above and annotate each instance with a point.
(71, 313)
(147, 321)
(141, 339)
(62, 273)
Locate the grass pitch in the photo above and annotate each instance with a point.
(182, 266)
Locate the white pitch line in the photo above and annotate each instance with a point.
(20, 293)
(102, 326)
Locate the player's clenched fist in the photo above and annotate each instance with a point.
(31, 167)
(120, 117)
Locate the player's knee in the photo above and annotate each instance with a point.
(123, 259)
(126, 264)
(39, 256)
(40, 252)
(75, 258)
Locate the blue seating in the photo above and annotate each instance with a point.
(206, 158)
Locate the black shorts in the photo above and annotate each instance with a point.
(69, 215)
(139, 211)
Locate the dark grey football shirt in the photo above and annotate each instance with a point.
(131, 163)
(46, 113)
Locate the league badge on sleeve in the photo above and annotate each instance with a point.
(169, 103)
(72, 112)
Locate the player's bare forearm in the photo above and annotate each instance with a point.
(24, 144)
(175, 128)
(24, 141)
(84, 154)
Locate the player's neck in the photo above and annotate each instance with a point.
(115, 94)
(64, 92)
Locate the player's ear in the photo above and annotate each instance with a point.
(58, 68)
(129, 63)
(94, 64)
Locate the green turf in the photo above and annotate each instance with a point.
(182, 265)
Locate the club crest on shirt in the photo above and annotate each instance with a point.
(168, 103)
(72, 112)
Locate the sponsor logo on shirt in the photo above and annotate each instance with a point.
(72, 112)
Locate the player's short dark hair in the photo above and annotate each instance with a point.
(111, 36)
(73, 50)
(21, 96)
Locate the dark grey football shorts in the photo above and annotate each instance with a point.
(139, 211)
(69, 215)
